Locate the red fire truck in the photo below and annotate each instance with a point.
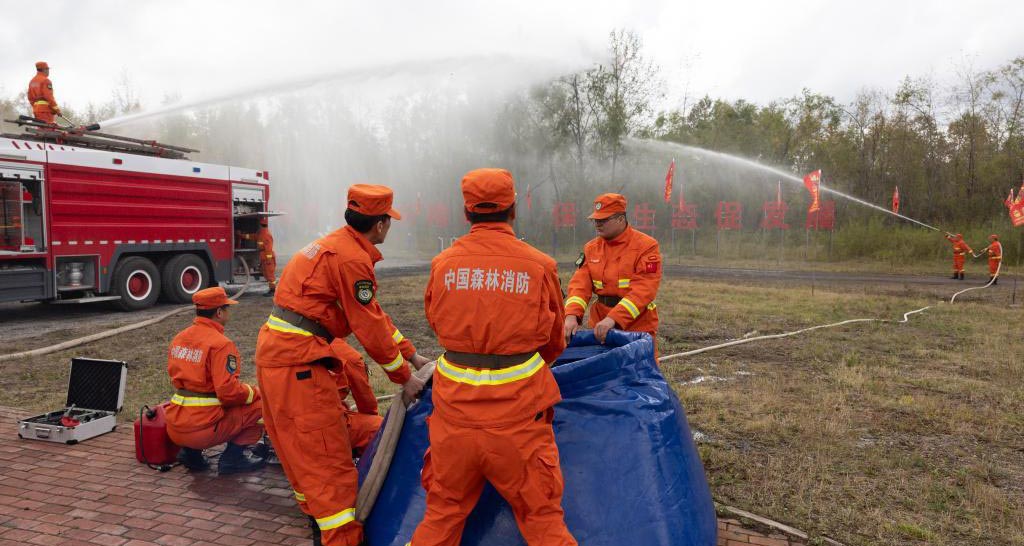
(87, 216)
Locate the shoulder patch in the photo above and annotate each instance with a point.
(364, 291)
(232, 364)
(580, 261)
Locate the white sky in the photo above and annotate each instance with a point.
(733, 49)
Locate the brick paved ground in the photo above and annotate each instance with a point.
(96, 493)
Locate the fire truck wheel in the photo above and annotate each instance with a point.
(137, 281)
(184, 275)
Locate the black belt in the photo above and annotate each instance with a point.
(490, 362)
(299, 321)
(610, 301)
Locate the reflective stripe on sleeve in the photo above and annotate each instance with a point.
(394, 365)
(279, 325)
(598, 284)
(299, 496)
(652, 306)
(577, 300)
(194, 401)
(630, 307)
(623, 283)
(334, 521)
(397, 336)
(252, 394)
(477, 378)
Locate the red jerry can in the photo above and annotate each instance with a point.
(152, 444)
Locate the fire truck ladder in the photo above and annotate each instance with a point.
(89, 137)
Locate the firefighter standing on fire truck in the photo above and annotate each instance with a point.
(211, 405)
(40, 94)
(622, 266)
(995, 256)
(265, 247)
(960, 251)
(496, 306)
(328, 291)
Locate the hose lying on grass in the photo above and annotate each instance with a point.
(990, 281)
(116, 331)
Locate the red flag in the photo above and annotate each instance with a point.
(529, 198)
(896, 200)
(668, 180)
(812, 182)
(1009, 199)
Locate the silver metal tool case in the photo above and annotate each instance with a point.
(95, 396)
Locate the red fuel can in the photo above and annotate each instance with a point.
(152, 444)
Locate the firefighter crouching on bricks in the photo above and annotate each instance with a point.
(265, 247)
(211, 405)
(40, 94)
(960, 251)
(622, 266)
(495, 304)
(327, 291)
(995, 255)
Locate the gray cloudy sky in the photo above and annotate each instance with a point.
(735, 49)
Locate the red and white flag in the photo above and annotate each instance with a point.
(668, 180)
(812, 182)
(896, 200)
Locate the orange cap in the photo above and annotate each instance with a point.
(211, 298)
(372, 200)
(607, 205)
(994, 237)
(488, 190)
(264, 221)
(41, 65)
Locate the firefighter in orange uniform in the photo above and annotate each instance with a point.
(265, 247)
(40, 94)
(327, 291)
(495, 305)
(356, 378)
(211, 405)
(960, 250)
(622, 267)
(995, 256)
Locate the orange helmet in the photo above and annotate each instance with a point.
(993, 237)
(41, 65)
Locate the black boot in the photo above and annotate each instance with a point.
(961, 275)
(193, 459)
(995, 280)
(955, 276)
(316, 531)
(265, 450)
(270, 293)
(236, 459)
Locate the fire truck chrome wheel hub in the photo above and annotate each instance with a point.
(191, 279)
(139, 285)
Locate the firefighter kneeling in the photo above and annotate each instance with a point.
(211, 405)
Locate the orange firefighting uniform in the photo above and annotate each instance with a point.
(211, 405)
(265, 247)
(995, 255)
(492, 294)
(355, 378)
(40, 96)
(960, 250)
(626, 267)
(330, 281)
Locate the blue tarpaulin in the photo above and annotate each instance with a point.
(632, 472)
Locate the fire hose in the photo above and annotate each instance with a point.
(394, 421)
(120, 330)
(990, 281)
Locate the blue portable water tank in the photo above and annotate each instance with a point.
(632, 472)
